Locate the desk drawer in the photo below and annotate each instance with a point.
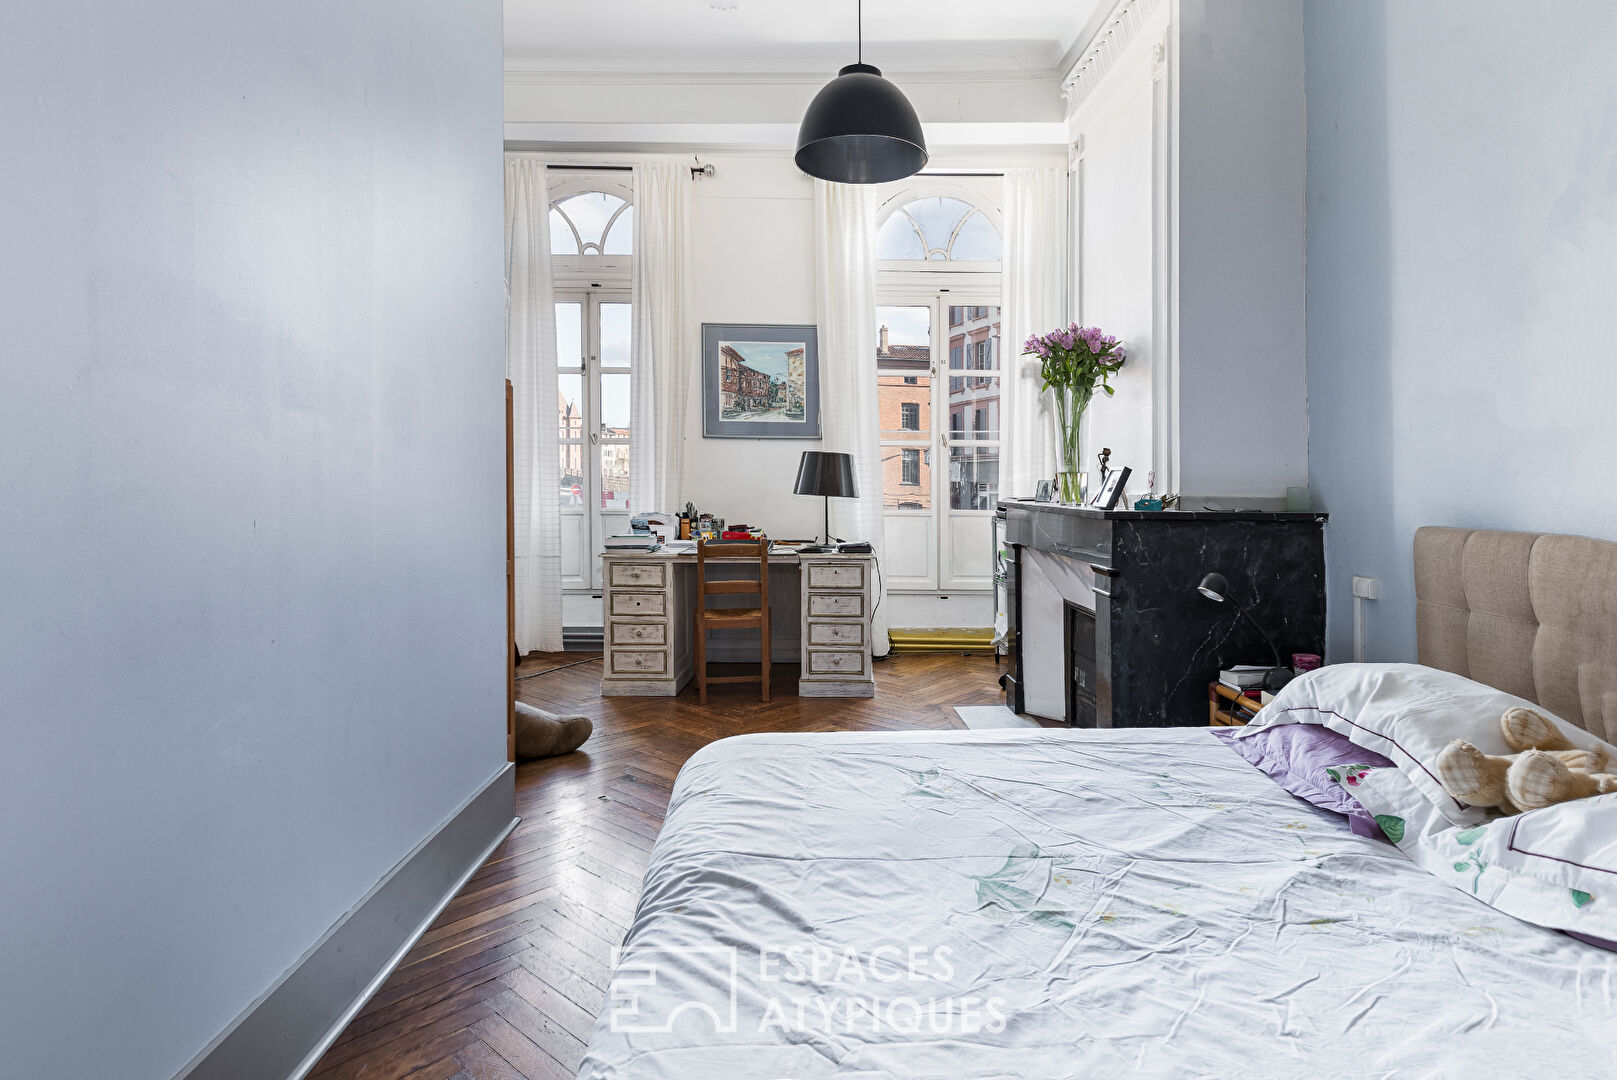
(647, 574)
(639, 661)
(834, 576)
(851, 632)
(634, 603)
(836, 662)
(639, 633)
(837, 605)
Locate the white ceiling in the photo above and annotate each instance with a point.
(795, 35)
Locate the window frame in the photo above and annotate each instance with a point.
(592, 280)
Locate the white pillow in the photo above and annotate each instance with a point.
(1408, 713)
(1555, 867)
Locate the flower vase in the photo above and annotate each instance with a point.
(1070, 406)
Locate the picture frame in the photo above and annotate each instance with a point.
(760, 381)
(1106, 498)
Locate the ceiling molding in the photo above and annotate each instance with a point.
(951, 140)
(619, 72)
(1109, 42)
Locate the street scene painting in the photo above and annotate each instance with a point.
(760, 382)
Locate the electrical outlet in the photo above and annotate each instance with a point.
(1367, 588)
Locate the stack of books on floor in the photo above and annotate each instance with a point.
(1245, 678)
(633, 542)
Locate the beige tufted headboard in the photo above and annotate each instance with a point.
(1534, 614)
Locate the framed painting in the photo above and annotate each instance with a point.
(760, 382)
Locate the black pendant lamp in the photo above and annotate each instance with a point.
(860, 128)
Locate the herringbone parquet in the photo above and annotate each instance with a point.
(506, 984)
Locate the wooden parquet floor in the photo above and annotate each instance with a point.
(507, 983)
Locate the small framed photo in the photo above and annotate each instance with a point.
(1045, 492)
(1110, 491)
(760, 382)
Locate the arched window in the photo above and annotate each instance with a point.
(938, 228)
(591, 260)
(938, 362)
(591, 223)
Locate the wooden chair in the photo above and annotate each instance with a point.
(729, 618)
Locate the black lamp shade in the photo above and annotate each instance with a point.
(1214, 587)
(860, 129)
(822, 473)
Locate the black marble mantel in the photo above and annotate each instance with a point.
(1158, 641)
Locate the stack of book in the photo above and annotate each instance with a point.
(633, 542)
(1246, 679)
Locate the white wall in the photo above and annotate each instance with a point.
(251, 494)
(1462, 250)
(1113, 282)
(752, 256)
(1189, 138)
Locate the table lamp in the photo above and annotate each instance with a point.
(828, 475)
(1216, 589)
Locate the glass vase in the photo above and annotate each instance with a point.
(1070, 406)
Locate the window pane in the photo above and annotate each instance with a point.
(937, 218)
(590, 212)
(974, 406)
(974, 343)
(572, 476)
(899, 240)
(904, 403)
(614, 476)
(906, 478)
(562, 241)
(570, 406)
(615, 405)
(904, 337)
(615, 335)
(973, 477)
(570, 335)
(976, 241)
(620, 234)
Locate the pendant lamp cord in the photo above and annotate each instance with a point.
(861, 10)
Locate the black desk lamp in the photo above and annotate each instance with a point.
(1216, 589)
(830, 476)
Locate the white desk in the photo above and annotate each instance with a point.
(649, 611)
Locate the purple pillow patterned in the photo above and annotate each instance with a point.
(1296, 756)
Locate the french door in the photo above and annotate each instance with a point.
(592, 412)
(937, 371)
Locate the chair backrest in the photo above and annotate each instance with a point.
(732, 549)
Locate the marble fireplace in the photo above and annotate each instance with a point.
(1108, 629)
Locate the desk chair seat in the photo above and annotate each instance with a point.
(731, 617)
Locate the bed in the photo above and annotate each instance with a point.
(1117, 903)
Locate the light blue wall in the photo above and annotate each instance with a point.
(1462, 281)
(252, 598)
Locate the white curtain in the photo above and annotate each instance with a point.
(1035, 291)
(845, 305)
(530, 364)
(659, 372)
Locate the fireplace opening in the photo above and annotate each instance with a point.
(1078, 654)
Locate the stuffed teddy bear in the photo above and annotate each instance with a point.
(1546, 769)
(541, 734)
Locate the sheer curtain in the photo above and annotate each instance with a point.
(1034, 269)
(659, 372)
(530, 364)
(845, 305)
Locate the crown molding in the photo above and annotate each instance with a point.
(1109, 42)
(953, 141)
(697, 72)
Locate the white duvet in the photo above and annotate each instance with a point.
(1065, 904)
